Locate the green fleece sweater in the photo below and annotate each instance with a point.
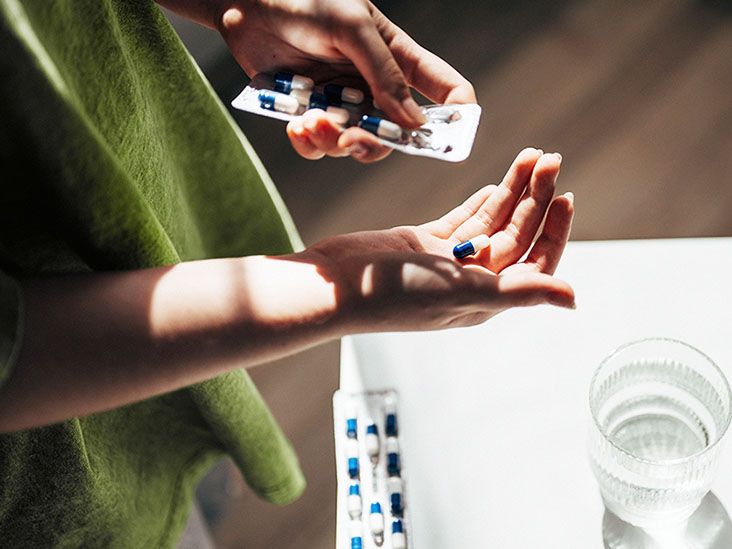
(116, 155)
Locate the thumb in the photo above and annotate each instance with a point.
(527, 289)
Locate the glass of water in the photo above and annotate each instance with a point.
(660, 409)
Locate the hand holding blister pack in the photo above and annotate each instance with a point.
(371, 504)
(448, 134)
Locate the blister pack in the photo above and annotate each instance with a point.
(373, 511)
(448, 134)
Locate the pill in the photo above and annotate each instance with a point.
(392, 457)
(274, 101)
(372, 442)
(343, 93)
(353, 467)
(381, 127)
(285, 82)
(352, 426)
(391, 420)
(356, 534)
(315, 100)
(396, 496)
(353, 504)
(376, 523)
(472, 246)
(398, 537)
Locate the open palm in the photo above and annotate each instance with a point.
(413, 266)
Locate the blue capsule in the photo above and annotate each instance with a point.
(398, 536)
(380, 127)
(392, 464)
(391, 425)
(376, 523)
(353, 467)
(274, 101)
(336, 92)
(472, 246)
(395, 504)
(393, 467)
(352, 428)
(285, 82)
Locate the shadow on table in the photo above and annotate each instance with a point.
(708, 528)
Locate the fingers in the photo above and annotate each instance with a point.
(361, 42)
(316, 134)
(526, 289)
(445, 226)
(548, 249)
(493, 213)
(512, 242)
(425, 71)
(362, 145)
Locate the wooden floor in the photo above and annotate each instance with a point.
(637, 96)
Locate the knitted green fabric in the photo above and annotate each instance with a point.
(116, 155)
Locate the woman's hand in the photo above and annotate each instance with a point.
(327, 39)
(406, 278)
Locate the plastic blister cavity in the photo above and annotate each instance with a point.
(448, 134)
(373, 512)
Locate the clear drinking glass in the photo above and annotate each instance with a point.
(660, 408)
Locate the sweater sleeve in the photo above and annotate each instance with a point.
(11, 324)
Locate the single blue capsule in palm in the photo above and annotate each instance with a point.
(472, 246)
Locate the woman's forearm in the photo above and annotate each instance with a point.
(96, 341)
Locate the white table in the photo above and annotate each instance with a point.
(493, 439)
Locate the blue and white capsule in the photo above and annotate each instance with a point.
(279, 102)
(381, 127)
(356, 533)
(351, 424)
(315, 100)
(376, 523)
(372, 442)
(391, 419)
(398, 536)
(472, 246)
(352, 457)
(336, 92)
(354, 505)
(393, 465)
(285, 82)
(396, 496)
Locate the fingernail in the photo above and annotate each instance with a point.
(541, 151)
(560, 300)
(297, 128)
(413, 111)
(357, 150)
(559, 156)
(570, 195)
(311, 125)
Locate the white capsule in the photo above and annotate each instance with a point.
(376, 523)
(394, 485)
(372, 441)
(286, 82)
(392, 445)
(480, 242)
(351, 448)
(398, 537)
(381, 127)
(302, 96)
(353, 503)
(344, 93)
